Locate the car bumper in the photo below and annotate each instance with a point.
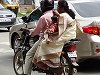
(8, 24)
(89, 46)
(95, 45)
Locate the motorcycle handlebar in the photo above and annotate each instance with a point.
(24, 29)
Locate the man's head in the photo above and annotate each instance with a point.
(46, 5)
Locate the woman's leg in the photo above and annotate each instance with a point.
(29, 57)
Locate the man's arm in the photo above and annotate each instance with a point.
(40, 26)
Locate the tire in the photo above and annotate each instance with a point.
(15, 42)
(68, 67)
(18, 63)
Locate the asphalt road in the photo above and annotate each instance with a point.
(89, 67)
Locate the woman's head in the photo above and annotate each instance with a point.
(63, 7)
(46, 5)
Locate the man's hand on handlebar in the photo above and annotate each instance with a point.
(27, 30)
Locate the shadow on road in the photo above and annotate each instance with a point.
(90, 65)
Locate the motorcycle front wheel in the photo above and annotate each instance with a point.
(18, 62)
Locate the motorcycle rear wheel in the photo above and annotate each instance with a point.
(68, 67)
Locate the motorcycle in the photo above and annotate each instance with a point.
(67, 59)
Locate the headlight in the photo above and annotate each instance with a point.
(14, 15)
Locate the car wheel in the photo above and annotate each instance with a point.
(16, 42)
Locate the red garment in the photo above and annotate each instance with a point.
(53, 28)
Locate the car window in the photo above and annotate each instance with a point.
(35, 15)
(88, 9)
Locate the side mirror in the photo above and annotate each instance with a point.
(24, 19)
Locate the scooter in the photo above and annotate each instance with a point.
(67, 58)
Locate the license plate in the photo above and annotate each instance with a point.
(72, 54)
(5, 20)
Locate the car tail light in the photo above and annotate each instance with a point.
(72, 47)
(91, 29)
(97, 50)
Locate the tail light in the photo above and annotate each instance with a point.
(97, 50)
(72, 47)
(91, 29)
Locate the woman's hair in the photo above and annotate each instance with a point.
(64, 4)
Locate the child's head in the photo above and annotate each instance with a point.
(54, 19)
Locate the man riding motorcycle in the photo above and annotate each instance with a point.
(44, 21)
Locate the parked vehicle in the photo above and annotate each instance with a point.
(67, 58)
(11, 5)
(7, 18)
(87, 13)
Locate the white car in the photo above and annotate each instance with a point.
(87, 14)
(7, 18)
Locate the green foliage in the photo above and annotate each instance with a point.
(20, 14)
(25, 12)
(28, 10)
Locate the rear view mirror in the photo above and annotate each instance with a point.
(24, 19)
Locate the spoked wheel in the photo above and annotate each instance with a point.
(18, 62)
(68, 67)
(15, 42)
